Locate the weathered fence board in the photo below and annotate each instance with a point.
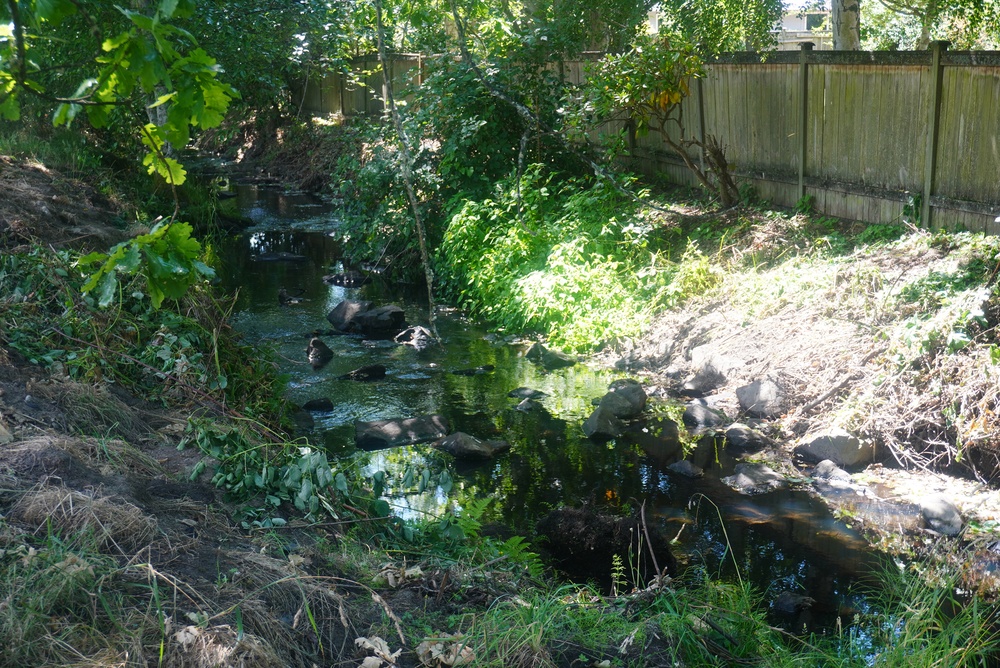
(869, 145)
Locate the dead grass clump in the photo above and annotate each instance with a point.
(115, 525)
(945, 416)
(531, 657)
(218, 647)
(115, 456)
(314, 614)
(93, 411)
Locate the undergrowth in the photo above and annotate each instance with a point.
(569, 258)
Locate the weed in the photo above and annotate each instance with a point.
(806, 205)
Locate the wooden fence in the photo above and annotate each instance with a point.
(865, 134)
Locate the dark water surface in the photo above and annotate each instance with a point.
(781, 541)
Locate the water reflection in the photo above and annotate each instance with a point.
(782, 541)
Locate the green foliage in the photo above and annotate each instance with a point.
(167, 257)
(911, 24)
(716, 26)
(156, 353)
(695, 274)
(806, 205)
(147, 57)
(268, 474)
(880, 233)
(644, 83)
(564, 258)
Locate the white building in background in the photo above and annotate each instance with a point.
(796, 26)
(799, 26)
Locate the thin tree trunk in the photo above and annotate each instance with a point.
(407, 156)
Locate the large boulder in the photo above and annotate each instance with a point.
(625, 398)
(603, 425)
(380, 434)
(417, 337)
(548, 359)
(941, 515)
(343, 314)
(762, 398)
(711, 372)
(837, 445)
(699, 415)
(702, 383)
(745, 439)
(464, 446)
(384, 322)
(750, 478)
(318, 353)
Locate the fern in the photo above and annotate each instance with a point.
(518, 551)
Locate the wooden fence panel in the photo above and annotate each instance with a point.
(969, 139)
(866, 127)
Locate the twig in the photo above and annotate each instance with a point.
(649, 543)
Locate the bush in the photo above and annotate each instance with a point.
(567, 258)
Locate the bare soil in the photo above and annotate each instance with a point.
(42, 206)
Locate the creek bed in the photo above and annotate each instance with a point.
(784, 541)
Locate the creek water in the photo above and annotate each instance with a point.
(785, 541)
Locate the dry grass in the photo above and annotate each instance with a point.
(92, 410)
(116, 526)
(217, 646)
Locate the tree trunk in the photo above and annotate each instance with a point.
(846, 25)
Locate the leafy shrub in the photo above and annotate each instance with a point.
(565, 258)
(180, 354)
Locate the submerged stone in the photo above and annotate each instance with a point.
(549, 359)
(464, 446)
(526, 393)
(755, 479)
(320, 405)
(687, 469)
(380, 434)
(367, 372)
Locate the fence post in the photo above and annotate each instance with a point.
(933, 116)
(804, 49)
(701, 121)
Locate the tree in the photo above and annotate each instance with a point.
(112, 58)
(913, 24)
(645, 86)
(716, 26)
(846, 19)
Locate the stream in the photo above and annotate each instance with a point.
(785, 541)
